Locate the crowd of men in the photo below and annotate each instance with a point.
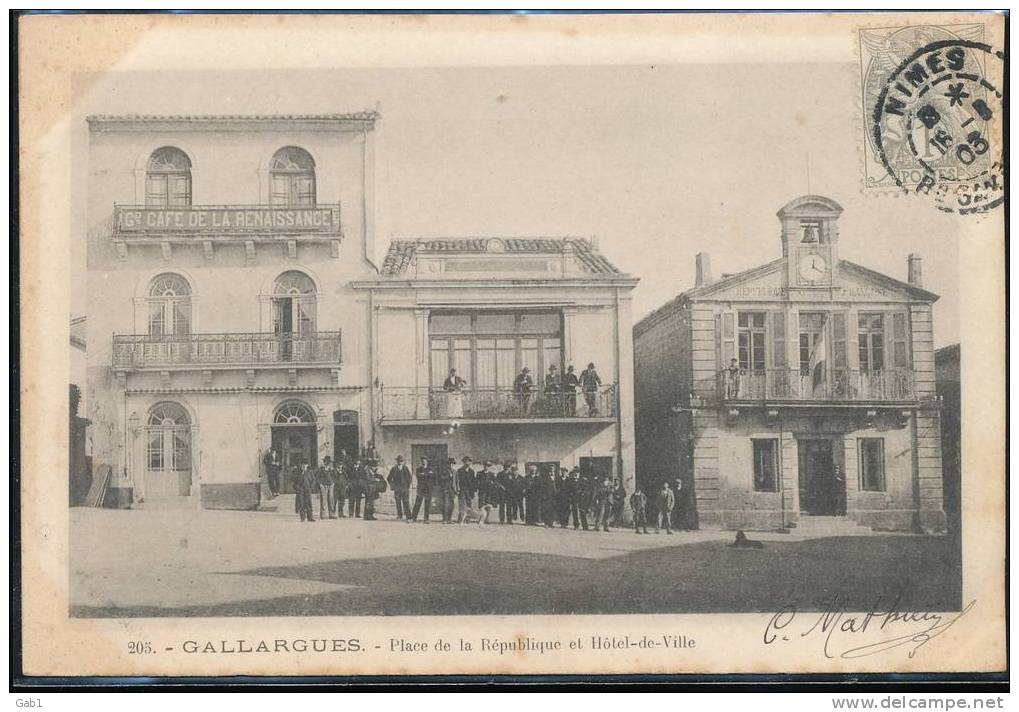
(546, 497)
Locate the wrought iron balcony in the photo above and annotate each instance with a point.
(134, 352)
(215, 222)
(403, 405)
(836, 385)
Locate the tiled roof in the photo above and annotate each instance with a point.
(401, 252)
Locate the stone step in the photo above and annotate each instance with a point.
(833, 526)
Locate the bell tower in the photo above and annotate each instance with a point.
(810, 241)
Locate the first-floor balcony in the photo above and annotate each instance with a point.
(240, 350)
(820, 385)
(435, 405)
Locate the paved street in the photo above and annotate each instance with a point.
(217, 563)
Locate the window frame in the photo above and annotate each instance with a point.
(541, 348)
(160, 190)
(300, 184)
(773, 443)
(757, 336)
(865, 342)
(883, 480)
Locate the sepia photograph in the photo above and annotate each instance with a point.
(654, 342)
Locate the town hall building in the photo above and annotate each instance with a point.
(797, 393)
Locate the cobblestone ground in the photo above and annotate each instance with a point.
(212, 563)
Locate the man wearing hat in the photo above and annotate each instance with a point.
(399, 480)
(464, 484)
(590, 381)
(570, 383)
(523, 385)
(326, 488)
(424, 490)
(447, 494)
(485, 480)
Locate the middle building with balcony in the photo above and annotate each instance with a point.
(474, 345)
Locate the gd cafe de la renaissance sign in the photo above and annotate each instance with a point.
(227, 220)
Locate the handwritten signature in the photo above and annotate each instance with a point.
(835, 623)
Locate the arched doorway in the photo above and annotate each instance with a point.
(295, 437)
(167, 451)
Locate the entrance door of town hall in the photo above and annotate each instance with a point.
(822, 490)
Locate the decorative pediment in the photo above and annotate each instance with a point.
(862, 284)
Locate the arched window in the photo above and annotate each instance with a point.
(168, 439)
(168, 178)
(294, 413)
(294, 304)
(169, 306)
(292, 177)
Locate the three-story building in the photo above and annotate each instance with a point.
(801, 388)
(221, 250)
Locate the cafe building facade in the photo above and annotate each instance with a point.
(800, 393)
(222, 321)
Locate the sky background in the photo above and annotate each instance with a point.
(656, 162)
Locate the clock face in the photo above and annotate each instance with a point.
(813, 268)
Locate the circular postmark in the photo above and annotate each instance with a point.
(939, 114)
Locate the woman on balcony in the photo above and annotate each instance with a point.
(453, 386)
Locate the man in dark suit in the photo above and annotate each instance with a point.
(355, 489)
(485, 480)
(399, 480)
(426, 479)
(273, 465)
(570, 383)
(507, 496)
(590, 381)
(464, 484)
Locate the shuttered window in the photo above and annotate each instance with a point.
(900, 341)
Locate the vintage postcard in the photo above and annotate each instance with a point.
(558, 344)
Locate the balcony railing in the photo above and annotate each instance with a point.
(835, 385)
(241, 349)
(403, 404)
(218, 221)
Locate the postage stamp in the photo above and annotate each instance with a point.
(932, 114)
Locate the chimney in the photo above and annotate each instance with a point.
(703, 269)
(915, 270)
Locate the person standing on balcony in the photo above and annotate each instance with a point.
(731, 376)
(273, 465)
(485, 481)
(326, 489)
(453, 386)
(399, 479)
(553, 387)
(425, 480)
(665, 501)
(523, 386)
(590, 381)
(465, 482)
(570, 383)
